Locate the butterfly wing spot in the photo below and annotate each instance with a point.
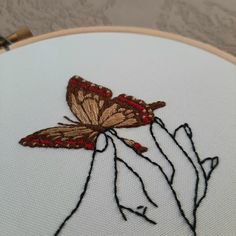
(80, 95)
(101, 103)
(96, 97)
(146, 119)
(88, 95)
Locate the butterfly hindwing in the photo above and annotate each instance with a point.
(126, 111)
(135, 145)
(67, 136)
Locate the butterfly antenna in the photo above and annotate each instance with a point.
(156, 105)
(63, 124)
(67, 118)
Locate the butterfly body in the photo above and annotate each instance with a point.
(96, 112)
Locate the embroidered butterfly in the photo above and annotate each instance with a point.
(96, 112)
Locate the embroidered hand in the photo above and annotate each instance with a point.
(182, 153)
(185, 174)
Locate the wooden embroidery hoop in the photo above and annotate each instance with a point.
(138, 31)
(123, 29)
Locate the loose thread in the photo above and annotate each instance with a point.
(139, 214)
(141, 181)
(161, 151)
(113, 132)
(62, 225)
(157, 120)
(115, 179)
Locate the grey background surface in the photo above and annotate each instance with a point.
(210, 21)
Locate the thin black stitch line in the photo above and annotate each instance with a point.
(177, 129)
(161, 151)
(141, 181)
(102, 150)
(160, 168)
(160, 121)
(199, 162)
(68, 119)
(115, 179)
(207, 159)
(139, 214)
(195, 169)
(82, 194)
(166, 178)
(69, 125)
(144, 211)
(80, 199)
(113, 132)
(189, 133)
(212, 166)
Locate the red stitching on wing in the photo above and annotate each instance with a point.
(146, 119)
(89, 146)
(73, 82)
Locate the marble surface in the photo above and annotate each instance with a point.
(210, 21)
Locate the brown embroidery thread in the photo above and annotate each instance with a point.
(96, 112)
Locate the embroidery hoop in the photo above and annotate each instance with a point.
(191, 42)
(123, 29)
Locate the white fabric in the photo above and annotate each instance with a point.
(39, 187)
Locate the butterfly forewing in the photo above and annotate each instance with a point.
(68, 136)
(92, 104)
(87, 100)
